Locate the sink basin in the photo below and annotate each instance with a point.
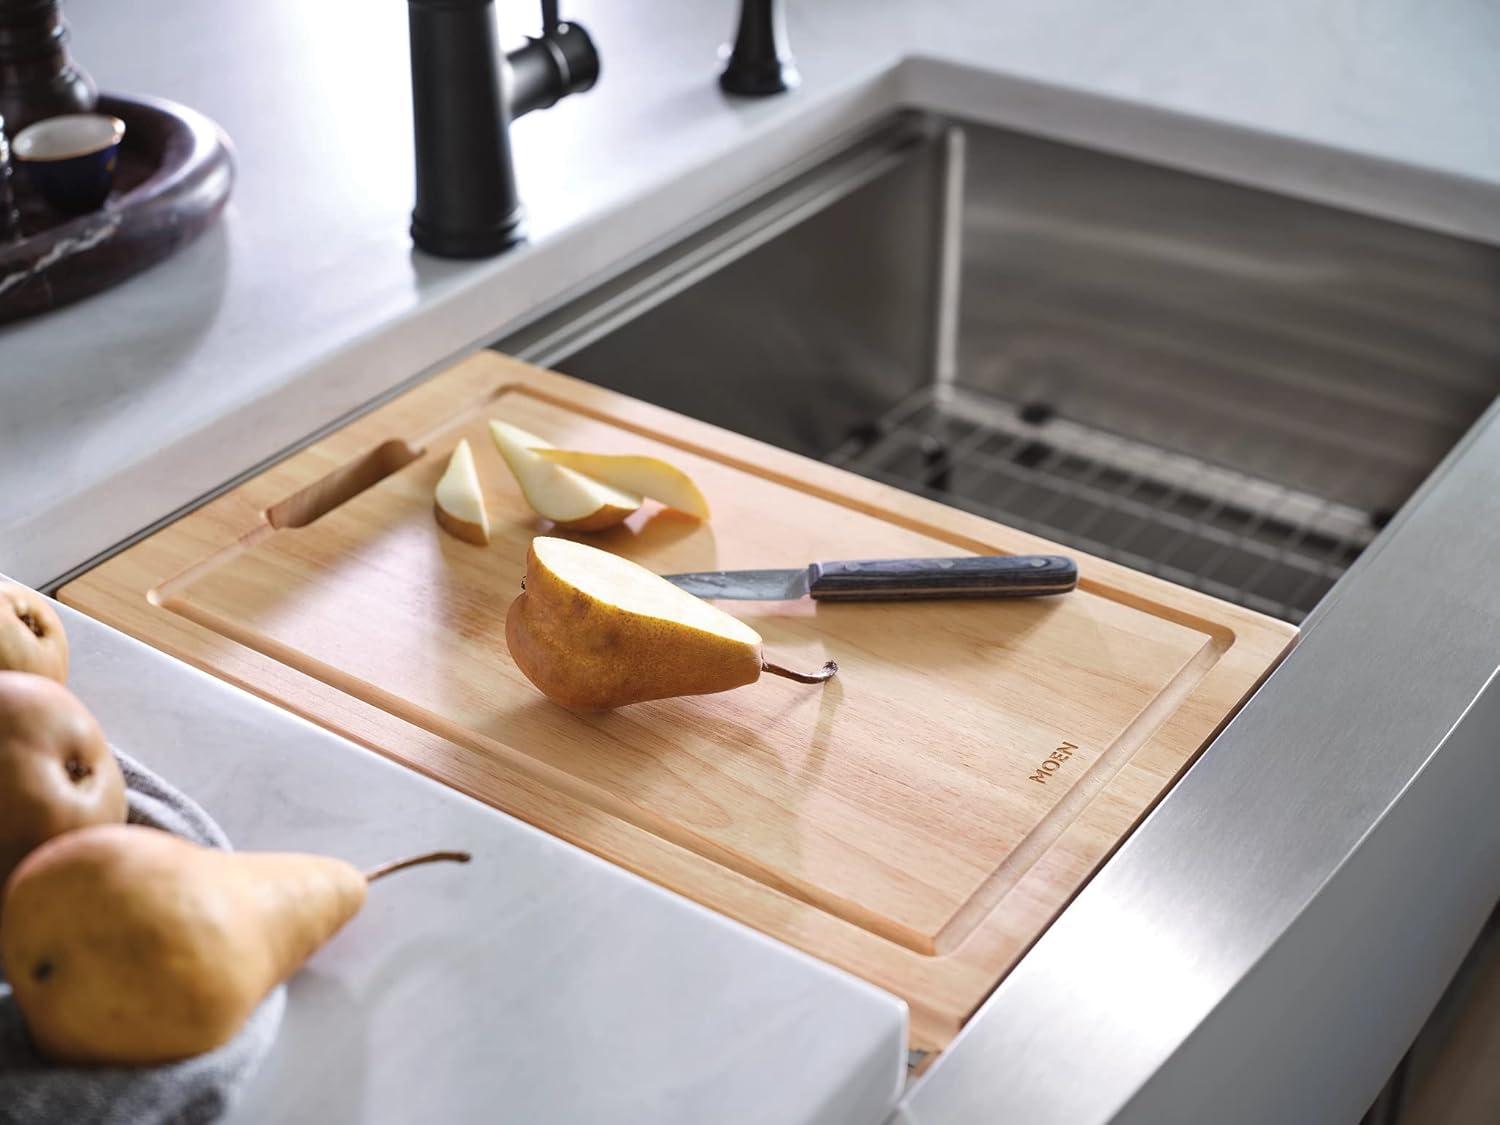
(1232, 389)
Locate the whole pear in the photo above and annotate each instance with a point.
(56, 770)
(594, 631)
(126, 945)
(31, 635)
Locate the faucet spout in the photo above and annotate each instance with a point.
(467, 203)
(559, 62)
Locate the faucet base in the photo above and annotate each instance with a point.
(469, 243)
(758, 79)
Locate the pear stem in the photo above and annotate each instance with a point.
(822, 675)
(414, 861)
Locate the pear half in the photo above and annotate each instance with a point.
(594, 631)
(458, 503)
(570, 500)
(650, 476)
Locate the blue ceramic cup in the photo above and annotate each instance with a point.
(70, 159)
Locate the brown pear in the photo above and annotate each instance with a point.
(125, 945)
(56, 771)
(594, 631)
(31, 635)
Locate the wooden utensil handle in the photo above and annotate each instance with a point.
(975, 576)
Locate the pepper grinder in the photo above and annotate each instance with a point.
(37, 78)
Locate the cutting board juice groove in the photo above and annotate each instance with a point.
(917, 821)
(348, 481)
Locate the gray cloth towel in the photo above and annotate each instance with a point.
(192, 1092)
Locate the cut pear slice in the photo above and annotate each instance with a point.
(570, 500)
(458, 502)
(650, 476)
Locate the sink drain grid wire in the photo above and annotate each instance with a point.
(1262, 544)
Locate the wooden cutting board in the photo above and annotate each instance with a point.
(918, 820)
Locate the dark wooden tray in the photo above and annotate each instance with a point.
(173, 178)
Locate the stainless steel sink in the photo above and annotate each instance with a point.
(1230, 388)
(1233, 389)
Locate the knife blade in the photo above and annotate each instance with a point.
(972, 576)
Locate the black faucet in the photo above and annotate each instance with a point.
(759, 63)
(462, 106)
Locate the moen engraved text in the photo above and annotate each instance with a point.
(1052, 763)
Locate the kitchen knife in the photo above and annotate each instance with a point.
(973, 576)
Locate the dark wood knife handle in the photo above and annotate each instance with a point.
(973, 576)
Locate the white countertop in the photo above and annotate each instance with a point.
(306, 300)
(535, 984)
